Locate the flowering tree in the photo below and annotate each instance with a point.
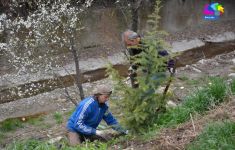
(33, 41)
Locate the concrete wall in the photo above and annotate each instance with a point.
(105, 25)
(178, 14)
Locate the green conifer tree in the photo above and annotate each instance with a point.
(141, 106)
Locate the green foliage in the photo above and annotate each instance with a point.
(232, 86)
(141, 105)
(2, 136)
(32, 144)
(220, 135)
(14, 123)
(58, 117)
(36, 121)
(10, 125)
(217, 89)
(202, 100)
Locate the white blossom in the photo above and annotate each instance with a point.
(29, 40)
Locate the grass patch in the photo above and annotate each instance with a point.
(217, 89)
(35, 121)
(232, 86)
(1, 137)
(33, 144)
(10, 125)
(39, 122)
(220, 135)
(202, 100)
(58, 117)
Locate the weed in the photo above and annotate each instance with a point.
(35, 121)
(58, 117)
(10, 125)
(198, 102)
(220, 135)
(1, 137)
(30, 144)
(232, 86)
(217, 89)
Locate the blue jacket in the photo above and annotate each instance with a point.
(88, 115)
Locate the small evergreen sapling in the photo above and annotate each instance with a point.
(141, 106)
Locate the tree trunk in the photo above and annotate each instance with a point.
(76, 60)
(134, 27)
(134, 14)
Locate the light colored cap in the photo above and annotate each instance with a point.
(133, 35)
(103, 90)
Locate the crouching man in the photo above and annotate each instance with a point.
(88, 114)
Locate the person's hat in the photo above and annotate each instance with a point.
(129, 38)
(102, 90)
(133, 35)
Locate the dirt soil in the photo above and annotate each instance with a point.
(187, 79)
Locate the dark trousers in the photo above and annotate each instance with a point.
(76, 138)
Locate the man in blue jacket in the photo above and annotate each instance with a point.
(88, 114)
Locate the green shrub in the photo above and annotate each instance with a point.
(220, 135)
(142, 105)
